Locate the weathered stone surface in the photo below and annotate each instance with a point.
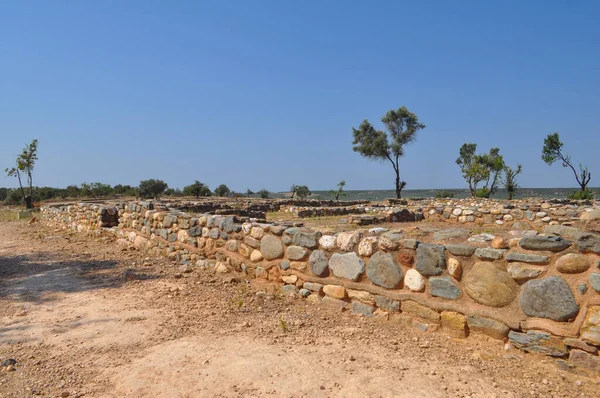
(562, 230)
(482, 238)
(522, 272)
(319, 263)
(592, 215)
(214, 233)
(451, 233)
(421, 311)
(245, 250)
(256, 256)
(461, 250)
(387, 304)
(499, 243)
(271, 247)
(590, 328)
(169, 220)
(232, 245)
(486, 253)
(298, 265)
(543, 343)
(255, 243)
(289, 289)
(277, 229)
(487, 326)
(573, 263)
(362, 308)
(431, 260)
(576, 343)
(360, 295)
(414, 281)
(333, 302)
(544, 242)
(588, 242)
(550, 298)
(367, 246)
(527, 258)
(455, 323)
(389, 241)
(455, 268)
(347, 266)
(313, 286)
(410, 244)
(296, 252)
(584, 360)
(286, 240)
(289, 279)
(383, 271)
(328, 242)
(488, 285)
(335, 291)
(346, 241)
(443, 286)
(594, 279)
(307, 239)
(285, 264)
(257, 233)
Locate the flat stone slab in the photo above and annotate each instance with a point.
(527, 258)
(543, 343)
(461, 250)
(443, 286)
(451, 233)
(588, 242)
(486, 253)
(347, 266)
(550, 298)
(487, 326)
(544, 242)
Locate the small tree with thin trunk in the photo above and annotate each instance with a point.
(510, 180)
(340, 190)
(402, 127)
(25, 163)
(552, 152)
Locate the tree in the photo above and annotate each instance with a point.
(477, 168)
(126, 190)
(249, 192)
(96, 189)
(340, 190)
(293, 190)
(222, 190)
(173, 192)
(510, 180)
(552, 152)
(303, 192)
(402, 127)
(263, 193)
(197, 189)
(152, 188)
(25, 163)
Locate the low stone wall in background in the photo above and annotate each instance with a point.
(538, 286)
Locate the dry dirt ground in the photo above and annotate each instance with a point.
(85, 317)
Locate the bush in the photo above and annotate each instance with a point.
(443, 194)
(152, 188)
(263, 193)
(582, 195)
(222, 190)
(482, 193)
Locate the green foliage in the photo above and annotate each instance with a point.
(402, 127)
(96, 190)
(173, 192)
(124, 190)
(197, 189)
(222, 190)
(510, 180)
(443, 194)
(582, 195)
(3, 194)
(301, 191)
(24, 164)
(152, 188)
(552, 151)
(249, 192)
(263, 193)
(340, 190)
(13, 198)
(477, 168)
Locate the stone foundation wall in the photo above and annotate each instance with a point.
(538, 286)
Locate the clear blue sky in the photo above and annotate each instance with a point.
(265, 93)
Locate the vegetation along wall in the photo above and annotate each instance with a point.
(539, 290)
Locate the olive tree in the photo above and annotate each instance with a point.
(222, 190)
(552, 152)
(402, 127)
(24, 164)
(152, 188)
(197, 189)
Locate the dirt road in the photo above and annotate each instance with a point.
(85, 317)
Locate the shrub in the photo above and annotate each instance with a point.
(582, 195)
(443, 194)
(482, 193)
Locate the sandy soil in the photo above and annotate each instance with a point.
(85, 317)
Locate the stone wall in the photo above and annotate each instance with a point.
(537, 286)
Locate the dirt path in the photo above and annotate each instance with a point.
(85, 317)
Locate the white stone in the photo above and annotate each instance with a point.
(541, 214)
(347, 240)
(328, 242)
(367, 246)
(457, 211)
(414, 281)
(255, 256)
(291, 279)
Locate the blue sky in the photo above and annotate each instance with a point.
(264, 94)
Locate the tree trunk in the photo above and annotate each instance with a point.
(28, 202)
(398, 189)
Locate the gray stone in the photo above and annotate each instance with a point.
(232, 245)
(277, 229)
(461, 250)
(550, 298)
(286, 240)
(451, 233)
(307, 239)
(214, 233)
(595, 281)
(544, 242)
(319, 263)
(362, 308)
(296, 252)
(481, 238)
(487, 253)
(387, 304)
(304, 292)
(164, 233)
(410, 243)
(285, 264)
(543, 343)
(383, 271)
(523, 272)
(527, 258)
(529, 215)
(225, 223)
(562, 230)
(289, 289)
(521, 226)
(196, 231)
(588, 242)
(169, 220)
(443, 286)
(582, 287)
(271, 247)
(584, 360)
(347, 266)
(313, 286)
(487, 326)
(490, 286)
(431, 260)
